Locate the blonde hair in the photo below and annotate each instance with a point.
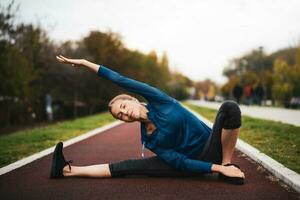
(120, 97)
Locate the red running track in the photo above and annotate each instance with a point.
(123, 142)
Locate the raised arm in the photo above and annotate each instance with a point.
(143, 89)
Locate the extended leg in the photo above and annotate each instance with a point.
(151, 166)
(61, 168)
(96, 171)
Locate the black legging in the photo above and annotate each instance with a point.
(228, 117)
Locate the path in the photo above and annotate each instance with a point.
(122, 142)
(288, 116)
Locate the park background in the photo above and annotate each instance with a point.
(36, 88)
(199, 52)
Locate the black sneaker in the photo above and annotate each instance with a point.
(58, 162)
(232, 180)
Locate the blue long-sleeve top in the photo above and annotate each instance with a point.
(179, 136)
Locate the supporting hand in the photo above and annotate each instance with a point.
(232, 171)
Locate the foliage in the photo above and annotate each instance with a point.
(282, 88)
(29, 71)
(278, 74)
(206, 89)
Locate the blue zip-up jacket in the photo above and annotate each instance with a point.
(179, 136)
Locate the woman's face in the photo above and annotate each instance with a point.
(126, 110)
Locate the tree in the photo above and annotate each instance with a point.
(29, 71)
(282, 88)
(257, 68)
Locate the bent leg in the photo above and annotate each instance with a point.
(229, 139)
(224, 134)
(230, 129)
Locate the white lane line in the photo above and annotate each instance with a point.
(45, 152)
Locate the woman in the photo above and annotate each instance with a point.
(184, 145)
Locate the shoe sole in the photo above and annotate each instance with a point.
(232, 180)
(53, 171)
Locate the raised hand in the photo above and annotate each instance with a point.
(73, 62)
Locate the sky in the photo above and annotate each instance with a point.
(199, 36)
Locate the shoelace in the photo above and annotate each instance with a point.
(143, 149)
(68, 163)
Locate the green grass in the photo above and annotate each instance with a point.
(278, 140)
(24, 143)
